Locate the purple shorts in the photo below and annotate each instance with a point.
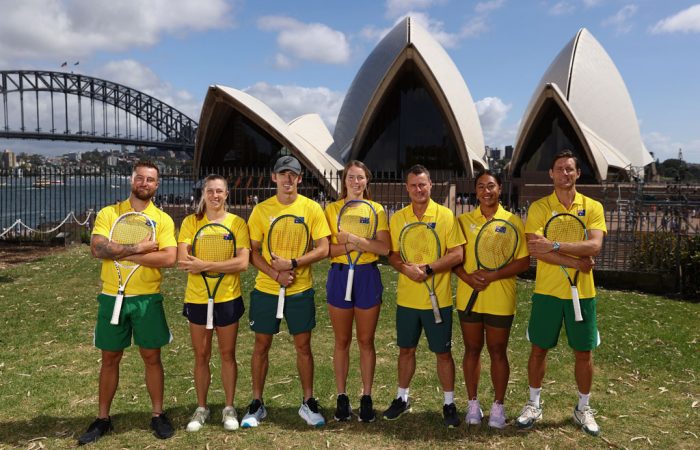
(366, 288)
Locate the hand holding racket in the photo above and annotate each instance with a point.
(568, 228)
(288, 238)
(356, 217)
(129, 229)
(213, 243)
(419, 244)
(494, 248)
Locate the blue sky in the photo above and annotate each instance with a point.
(301, 56)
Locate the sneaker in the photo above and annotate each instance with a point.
(309, 412)
(162, 427)
(528, 416)
(343, 411)
(367, 413)
(397, 407)
(229, 418)
(200, 416)
(474, 413)
(449, 415)
(96, 430)
(586, 418)
(254, 415)
(497, 416)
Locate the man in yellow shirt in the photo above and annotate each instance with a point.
(142, 312)
(295, 275)
(551, 301)
(413, 311)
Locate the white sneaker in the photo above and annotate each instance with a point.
(474, 413)
(200, 416)
(309, 412)
(586, 418)
(497, 416)
(229, 419)
(530, 414)
(254, 414)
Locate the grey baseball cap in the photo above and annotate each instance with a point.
(287, 163)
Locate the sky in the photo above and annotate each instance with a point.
(301, 57)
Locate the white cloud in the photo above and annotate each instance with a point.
(492, 114)
(562, 8)
(591, 3)
(488, 6)
(686, 21)
(621, 19)
(66, 29)
(665, 147)
(290, 102)
(474, 27)
(396, 8)
(307, 41)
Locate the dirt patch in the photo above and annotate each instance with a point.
(12, 254)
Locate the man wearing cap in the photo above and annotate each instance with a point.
(295, 275)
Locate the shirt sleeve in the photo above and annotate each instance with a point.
(535, 222)
(241, 233)
(166, 234)
(255, 230)
(596, 221)
(319, 227)
(103, 223)
(382, 222)
(455, 238)
(187, 230)
(395, 229)
(521, 251)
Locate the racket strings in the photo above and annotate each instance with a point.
(214, 247)
(288, 239)
(358, 220)
(563, 228)
(419, 245)
(131, 231)
(496, 247)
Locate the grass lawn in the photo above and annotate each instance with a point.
(646, 388)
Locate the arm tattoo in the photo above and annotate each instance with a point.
(105, 249)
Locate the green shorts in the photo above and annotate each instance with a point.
(141, 315)
(299, 312)
(546, 318)
(410, 322)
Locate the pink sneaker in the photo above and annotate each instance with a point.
(474, 413)
(497, 416)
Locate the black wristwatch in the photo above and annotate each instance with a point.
(428, 269)
(294, 263)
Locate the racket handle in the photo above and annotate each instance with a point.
(117, 308)
(436, 309)
(210, 314)
(348, 288)
(280, 302)
(472, 301)
(577, 304)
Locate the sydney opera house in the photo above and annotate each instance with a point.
(409, 104)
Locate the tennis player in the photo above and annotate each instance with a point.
(494, 310)
(551, 300)
(413, 308)
(142, 314)
(273, 271)
(228, 303)
(364, 307)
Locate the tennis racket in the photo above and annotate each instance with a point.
(494, 248)
(419, 244)
(129, 229)
(287, 238)
(568, 228)
(359, 218)
(214, 243)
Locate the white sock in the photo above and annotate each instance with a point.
(449, 397)
(583, 400)
(402, 394)
(535, 395)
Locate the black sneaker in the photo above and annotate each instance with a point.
(367, 413)
(343, 411)
(96, 430)
(162, 427)
(397, 407)
(449, 415)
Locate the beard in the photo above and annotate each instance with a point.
(143, 195)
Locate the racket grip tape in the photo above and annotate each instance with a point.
(117, 308)
(578, 317)
(210, 314)
(436, 309)
(472, 301)
(348, 287)
(280, 302)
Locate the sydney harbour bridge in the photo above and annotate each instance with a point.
(60, 106)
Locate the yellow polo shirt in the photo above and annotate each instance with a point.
(230, 286)
(550, 279)
(499, 297)
(259, 223)
(146, 280)
(415, 295)
(332, 211)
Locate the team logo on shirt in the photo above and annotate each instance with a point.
(299, 219)
(501, 229)
(431, 225)
(364, 220)
(581, 212)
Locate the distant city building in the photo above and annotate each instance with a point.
(73, 156)
(495, 153)
(509, 152)
(9, 160)
(112, 161)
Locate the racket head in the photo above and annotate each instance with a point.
(214, 242)
(288, 236)
(359, 218)
(495, 244)
(565, 228)
(131, 228)
(419, 243)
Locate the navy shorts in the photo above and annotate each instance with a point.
(225, 313)
(366, 287)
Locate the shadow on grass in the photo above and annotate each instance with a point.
(6, 279)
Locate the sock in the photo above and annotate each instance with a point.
(449, 397)
(583, 400)
(535, 395)
(402, 394)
